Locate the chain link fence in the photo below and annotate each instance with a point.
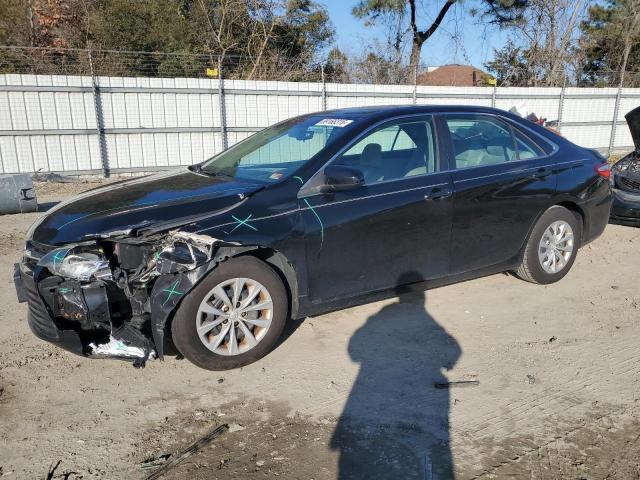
(88, 112)
(113, 63)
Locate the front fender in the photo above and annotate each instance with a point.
(170, 289)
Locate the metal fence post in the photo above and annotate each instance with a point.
(324, 88)
(415, 84)
(97, 103)
(614, 124)
(561, 104)
(221, 105)
(494, 93)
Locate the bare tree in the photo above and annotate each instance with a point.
(547, 38)
(418, 37)
(263, 33)
(221, 21)
(401, 18)
(630, 21)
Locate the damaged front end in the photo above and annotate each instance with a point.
(113, 295)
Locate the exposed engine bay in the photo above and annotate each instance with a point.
(118, 290)
(626, 172)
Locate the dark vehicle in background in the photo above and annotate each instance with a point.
(625, 179)
(313, 214)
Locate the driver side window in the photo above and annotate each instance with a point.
(393, 151)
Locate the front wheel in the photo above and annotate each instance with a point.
(233, 317)
(552, 246)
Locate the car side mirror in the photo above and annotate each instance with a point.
(341, 177)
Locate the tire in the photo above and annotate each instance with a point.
(532, 268)
(192, 344)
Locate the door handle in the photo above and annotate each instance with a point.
(541, 173)
(438, 194)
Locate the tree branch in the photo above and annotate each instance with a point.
(425, 34)
(412, 7)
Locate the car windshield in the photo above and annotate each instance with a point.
(277, 152)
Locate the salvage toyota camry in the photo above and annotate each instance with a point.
(316, 213)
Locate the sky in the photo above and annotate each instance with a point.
(475, 45)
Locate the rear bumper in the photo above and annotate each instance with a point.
(626, 208)
(597, 211)
(40, 321)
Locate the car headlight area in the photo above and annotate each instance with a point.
(76, 264)
(104, 293)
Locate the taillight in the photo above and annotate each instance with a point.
(604, 170)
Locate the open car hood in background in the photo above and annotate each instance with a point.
(633, 120)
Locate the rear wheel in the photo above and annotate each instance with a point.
(552, 246)
(233, 317)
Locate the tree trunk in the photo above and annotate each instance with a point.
(416, 48)
(625, 59)
(419, 37)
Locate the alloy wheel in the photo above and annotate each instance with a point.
(234, 316)
(556, 246)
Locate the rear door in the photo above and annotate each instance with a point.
(502, 180)
(393, 229)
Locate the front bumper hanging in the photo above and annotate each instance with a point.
(104, 316)
(40, 321)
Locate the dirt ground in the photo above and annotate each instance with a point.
(351, 394)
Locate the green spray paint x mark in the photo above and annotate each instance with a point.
(244, 222)
(319, 221)
(59, 256)
(314, 212)
(172, 291)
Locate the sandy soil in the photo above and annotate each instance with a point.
(557, 396)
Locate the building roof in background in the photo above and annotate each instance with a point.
(454, 75)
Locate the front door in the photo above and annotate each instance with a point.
(393, 229)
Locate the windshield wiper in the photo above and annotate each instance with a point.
(198, 169)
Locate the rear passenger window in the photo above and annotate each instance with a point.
(526, 147)
(479, 141)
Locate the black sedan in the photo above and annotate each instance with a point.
(313, 214)
(625, 179)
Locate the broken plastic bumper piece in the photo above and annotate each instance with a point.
(76, 316)
(112, 297)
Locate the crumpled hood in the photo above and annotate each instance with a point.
(633, 120)
(149, 201)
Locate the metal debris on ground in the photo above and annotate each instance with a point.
(459, 383)
(192, 449)
(236, 427)
(155, 462)
(52, 470)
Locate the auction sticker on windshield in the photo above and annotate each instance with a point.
(334, 122)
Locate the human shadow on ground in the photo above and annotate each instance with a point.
(395, 424)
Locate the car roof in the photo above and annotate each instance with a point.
(384, 111)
